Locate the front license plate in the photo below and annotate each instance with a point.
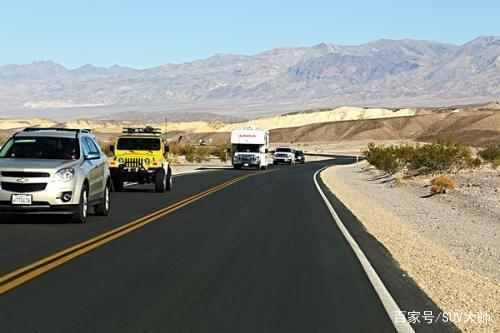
(246, 164)
(21, 199)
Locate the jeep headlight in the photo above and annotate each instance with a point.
(121, 160)
(147, 161)
(236, 157)
(65, 175)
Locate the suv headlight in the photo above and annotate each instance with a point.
(65, 175)
(147, 161)
(121, 160)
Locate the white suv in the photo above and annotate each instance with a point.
(55, 171)
(284, 155)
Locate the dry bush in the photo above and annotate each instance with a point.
(442, 183)
(399, 181)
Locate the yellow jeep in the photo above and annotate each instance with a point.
(140, 155)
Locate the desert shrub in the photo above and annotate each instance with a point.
(399, 181)
(188, 152)
(201, 154)
(442, 183)
(220, 151)
(441, 156)
(491, 154)
(390, 159)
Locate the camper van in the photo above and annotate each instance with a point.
(249, 147)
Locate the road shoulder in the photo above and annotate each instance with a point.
(424, 265)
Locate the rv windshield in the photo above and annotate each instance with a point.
(246, 148)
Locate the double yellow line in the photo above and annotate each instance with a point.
(21, 275)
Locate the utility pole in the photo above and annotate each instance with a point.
(166, 128)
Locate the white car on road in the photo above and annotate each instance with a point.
(284, 155)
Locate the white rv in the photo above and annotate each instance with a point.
(249, 147)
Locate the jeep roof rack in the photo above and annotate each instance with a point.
(141, 130)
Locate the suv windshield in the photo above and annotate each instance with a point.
(138, 144)
(284, 150)
(41, 148)
(246, 148)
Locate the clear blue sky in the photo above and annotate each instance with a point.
(149, 33)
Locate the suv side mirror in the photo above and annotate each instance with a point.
(92, 156)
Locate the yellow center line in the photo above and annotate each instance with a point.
(41, 266)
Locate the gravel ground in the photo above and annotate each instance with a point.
(449, 244)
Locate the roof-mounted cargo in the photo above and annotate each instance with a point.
(142, 130)
(74, 130)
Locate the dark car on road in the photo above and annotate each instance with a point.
(299, 157)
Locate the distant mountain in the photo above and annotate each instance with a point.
(158, 116)
(383, 72)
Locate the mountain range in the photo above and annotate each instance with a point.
(380, 73)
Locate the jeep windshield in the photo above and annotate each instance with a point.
(51, 148)
(138, 144)
(246, 148)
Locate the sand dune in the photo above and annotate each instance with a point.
(307, 118)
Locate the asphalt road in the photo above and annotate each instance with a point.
(259, 255)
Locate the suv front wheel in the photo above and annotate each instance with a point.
(82, 211)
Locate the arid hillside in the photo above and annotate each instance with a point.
(476, 126)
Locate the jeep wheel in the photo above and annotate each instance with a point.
(169, 180)
(117, 185)
(82, 211)
(102, 208)
(160, 181)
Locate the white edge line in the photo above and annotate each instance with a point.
(402, 326)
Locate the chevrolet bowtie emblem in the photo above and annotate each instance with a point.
(22, 180)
